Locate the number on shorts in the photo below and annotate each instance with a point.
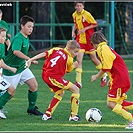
(54, 60)
(3, 83)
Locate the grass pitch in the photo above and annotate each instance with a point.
(92, 95)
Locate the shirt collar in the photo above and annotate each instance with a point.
(80, 12)
(102, 43)
(65, 49)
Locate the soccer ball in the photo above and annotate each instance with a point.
(93, 115)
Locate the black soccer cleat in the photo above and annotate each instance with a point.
(34, 111)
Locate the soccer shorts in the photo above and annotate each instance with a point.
(4, 84)
(20, 78)
(114, 94)
(87, 48)
(56, 84)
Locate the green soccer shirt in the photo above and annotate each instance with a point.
(20, 43)
(2, 51)
(5, 25)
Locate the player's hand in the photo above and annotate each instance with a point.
(81, 31)
(75, 64)
(73, 35)
(35, 62)
(14, 70)
(93, 78)
(27, 64)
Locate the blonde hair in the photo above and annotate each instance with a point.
(72, 44)
(98, 37)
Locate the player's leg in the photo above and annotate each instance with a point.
(115, 105)
(5, 86)
(74, 103)
(119, 109)
(126, 104)
(57, 86)
(53, 105)
(79, 69)
(28, 78)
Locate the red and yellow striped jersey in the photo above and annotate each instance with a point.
(114, 65)
(58, 62)
(82, 20)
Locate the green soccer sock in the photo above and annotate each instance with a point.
(4, 99)
(32, 97)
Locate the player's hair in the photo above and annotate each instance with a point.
(2, 29)
(98, 37)
(26, 19)
(75, 3)
(72, 44)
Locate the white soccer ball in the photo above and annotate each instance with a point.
(93, 115)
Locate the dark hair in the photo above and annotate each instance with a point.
(75, 3)
(26, 19)
(98, 37)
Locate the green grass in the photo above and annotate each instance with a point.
(91, 96)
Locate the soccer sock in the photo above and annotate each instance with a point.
(54, 103)
(32, 97)
(78, 74)
(4, 99)
(118, 109)
(127, 105)
(74, 104)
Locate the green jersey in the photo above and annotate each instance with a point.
(5, 25)
(2, 51)
(20, 43)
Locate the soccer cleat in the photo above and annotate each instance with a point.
(34, 111)
(130, 125)
(104, 80)
(78, 84)
(74, 118)
(2, 115)
(45, 117)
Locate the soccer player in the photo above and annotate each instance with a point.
(58, 62)
(119, 83)
(5, 25)
(16, 57)
(5, 86)
(84, 25)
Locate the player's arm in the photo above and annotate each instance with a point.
(73, 31)
(95, 77)
(8, 43)
(87, 28)
(3, 65)
(20, 55)
(41, 55)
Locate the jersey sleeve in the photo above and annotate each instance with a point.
(89, 18)
(106, 56)
(17, 44)
(69, 64)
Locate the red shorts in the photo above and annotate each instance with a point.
(56, 84)
(115, 93)
(87, 48)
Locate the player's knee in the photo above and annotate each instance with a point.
(111, 105)
(11, 90)
(34, 87)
